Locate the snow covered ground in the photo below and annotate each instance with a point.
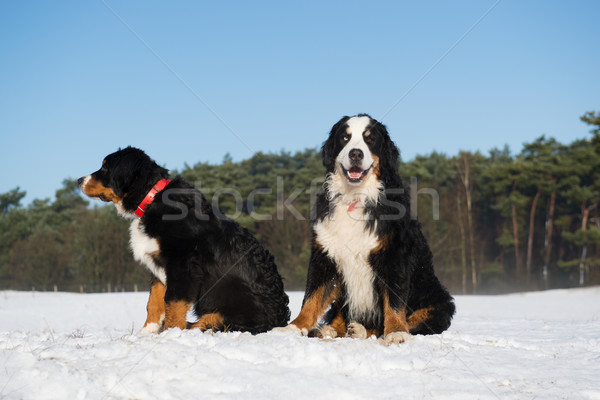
(525, 346)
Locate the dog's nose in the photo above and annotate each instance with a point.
(80, 181)
(356, 155)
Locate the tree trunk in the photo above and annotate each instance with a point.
(515, 226)
(585, 211)
(531, 229)
(548, 240)
(465, 175)
(501, 255)
(463, 242)
(516, 242)
(472, 244)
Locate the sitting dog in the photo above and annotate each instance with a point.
(196, 259)
(370, 270)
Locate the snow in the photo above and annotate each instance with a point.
(542, 345)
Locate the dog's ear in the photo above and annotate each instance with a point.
(132, 169)
(122, 180)
(389, 152)
(328, 152)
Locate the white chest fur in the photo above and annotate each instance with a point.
(143, 246)
(349, 243)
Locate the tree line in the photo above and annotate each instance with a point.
(496, 223)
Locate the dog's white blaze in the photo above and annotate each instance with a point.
(346, 241)
(85, 181)
(357, 126)
(143, 246)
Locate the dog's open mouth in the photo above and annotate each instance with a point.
(355, 174)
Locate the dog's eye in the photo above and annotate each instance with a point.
(346, 137)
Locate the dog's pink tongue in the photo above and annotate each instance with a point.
(355, 173)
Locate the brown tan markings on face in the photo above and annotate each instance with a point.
(95, 188)
(375, 167)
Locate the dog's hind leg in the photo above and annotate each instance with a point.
(213, 321)
(431, 320)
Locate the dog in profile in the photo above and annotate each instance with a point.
(371, 269)
(198, 261)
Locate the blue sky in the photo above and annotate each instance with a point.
(191, 81)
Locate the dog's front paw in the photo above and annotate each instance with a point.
(322, 332)
(396, 337)
(149, 329)
(292, 328)
(357, 331)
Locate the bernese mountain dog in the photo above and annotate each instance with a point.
(198, 261)
(371, 269)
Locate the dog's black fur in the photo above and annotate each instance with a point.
(212, 264)
(408, 295)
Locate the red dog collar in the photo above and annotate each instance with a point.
(160, 185)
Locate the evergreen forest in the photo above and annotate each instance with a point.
(496, 222)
